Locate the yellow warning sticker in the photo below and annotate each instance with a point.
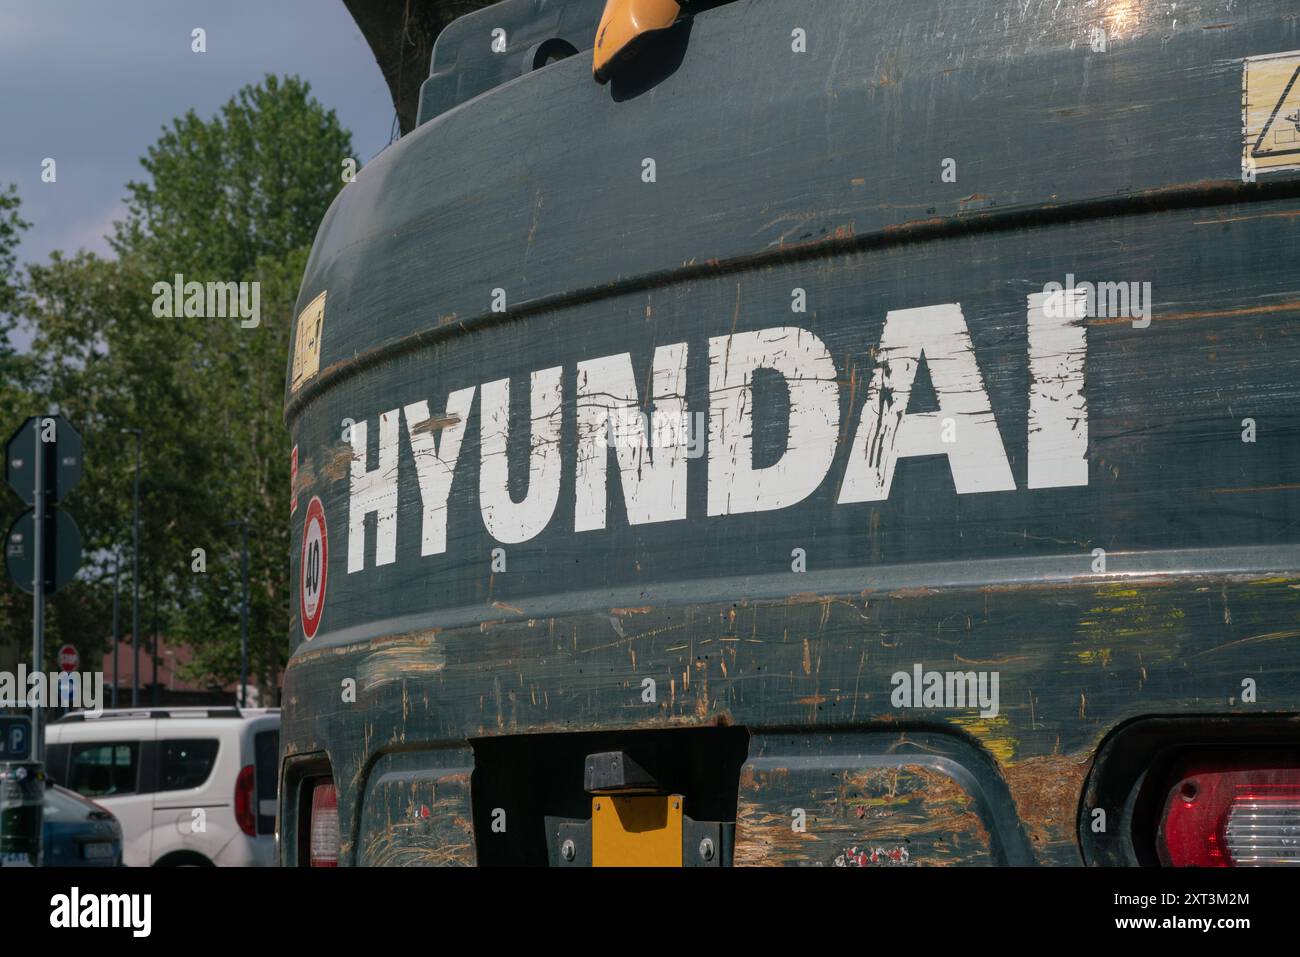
(306, 345)
(1270, 114)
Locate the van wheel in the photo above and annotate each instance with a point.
(183, 859)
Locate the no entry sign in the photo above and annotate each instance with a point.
(312, 569)
(69, 659)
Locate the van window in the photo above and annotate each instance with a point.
(186, 763)
(266, 749)
(56, 762)
(104, 769)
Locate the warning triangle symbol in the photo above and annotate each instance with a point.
(1281, 134)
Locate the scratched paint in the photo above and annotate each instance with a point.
(435, 447)
(418, 817)
(651, 461)
(858, 817)
(373, 490)
(805, 364)
(889, 432)
(1058, 406)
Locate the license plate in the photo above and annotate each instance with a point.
(636, 831)
(96, 852)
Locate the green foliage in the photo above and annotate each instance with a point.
(11, 227)
(235, 198)
(13, 401)
(253, 181)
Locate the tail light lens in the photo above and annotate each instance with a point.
(1232, 813)
(245, 808)
(324, 825)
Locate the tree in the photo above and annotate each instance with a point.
(252, 182)
(234, 198)
(14, 606)
(11, 228)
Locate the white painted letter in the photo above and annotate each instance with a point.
(1058, 410)
(809, 371)
(888, 433)
(507, 520)
(654, 482)
(374, 491)
(435, 467)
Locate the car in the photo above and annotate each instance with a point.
(76, 832)
(190, 786)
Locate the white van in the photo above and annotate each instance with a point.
(190, 786)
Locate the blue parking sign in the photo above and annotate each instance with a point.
(15, 738)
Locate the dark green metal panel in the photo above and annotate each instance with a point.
(417, 811)
(822, 172)
(501, 43)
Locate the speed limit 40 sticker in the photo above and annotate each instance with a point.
(312, 569)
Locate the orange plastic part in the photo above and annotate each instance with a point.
(624, 21)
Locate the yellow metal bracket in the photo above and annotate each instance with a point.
(624, 22)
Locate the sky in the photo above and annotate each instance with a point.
(91, 83)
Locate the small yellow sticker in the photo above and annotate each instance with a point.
(306, 347)
(1270, 114)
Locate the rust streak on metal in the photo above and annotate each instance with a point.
(422, 637)
(1256, 488)
(1253, 639)
(1286, 214)
(339, 465)
(807, 598)
(435, 424)
(989, 661)
(1046, 790)
(1291, 306)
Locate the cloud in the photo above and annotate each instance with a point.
(100, 80)
(91, 232)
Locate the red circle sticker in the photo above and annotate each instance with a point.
(312, 569)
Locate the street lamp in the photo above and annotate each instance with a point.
(243, 618)
(135, 575)
(117, 583)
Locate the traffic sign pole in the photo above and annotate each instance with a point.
(38, 589)
(38, 611)
(47, 483)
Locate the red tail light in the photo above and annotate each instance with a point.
(1226, 813)
(245, 807)
(324, 825)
